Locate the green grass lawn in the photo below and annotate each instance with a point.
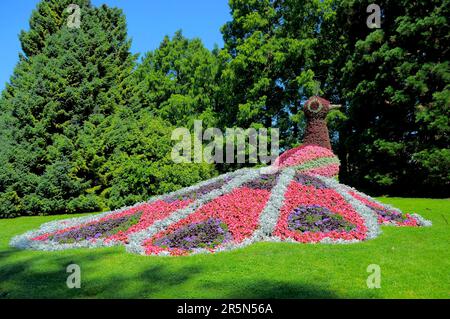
(415, 263)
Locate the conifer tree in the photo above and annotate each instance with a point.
(395, 83)
(66, 78)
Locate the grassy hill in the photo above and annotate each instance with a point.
(414, 264)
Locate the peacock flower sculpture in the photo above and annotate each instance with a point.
(296, 199)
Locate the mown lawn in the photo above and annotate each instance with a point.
(415, 263)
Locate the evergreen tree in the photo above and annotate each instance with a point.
(47, 19)
(67, 77)
(178, 82)
(395, 81)
(74, 134)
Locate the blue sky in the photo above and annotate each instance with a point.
(148, 22)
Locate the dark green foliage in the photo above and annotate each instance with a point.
(141, 165)
(45, 20)
(178, 82)
(270, 45)
(395, 81)
(69, 77)
(393, 134)
(68, 142)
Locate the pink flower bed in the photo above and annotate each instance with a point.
(239, 210)
(327, 171)
(386, 216)
(302, 154)
(302, 195)
(151, 212)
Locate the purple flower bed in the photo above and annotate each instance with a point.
(264, 182)
(98, 230)
(309, 181)
(388, 215)
(207, 234)
(315, 218)
(199, 192)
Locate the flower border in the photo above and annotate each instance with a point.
(267, 219)
(419, 219)
(25, 241)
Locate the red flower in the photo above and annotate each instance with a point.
(299, 195)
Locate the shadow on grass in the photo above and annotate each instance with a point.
(26, 274)
(155, 280)
(281, 290)
(272, 289)
(34, 275)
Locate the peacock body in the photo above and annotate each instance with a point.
(297, 199)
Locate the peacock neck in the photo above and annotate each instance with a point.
(317, 133)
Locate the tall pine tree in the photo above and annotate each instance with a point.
(67, 77)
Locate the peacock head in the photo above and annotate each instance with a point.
(317, 108)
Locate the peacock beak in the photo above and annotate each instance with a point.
(335, 106)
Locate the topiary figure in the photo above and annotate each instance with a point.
(296, 199)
